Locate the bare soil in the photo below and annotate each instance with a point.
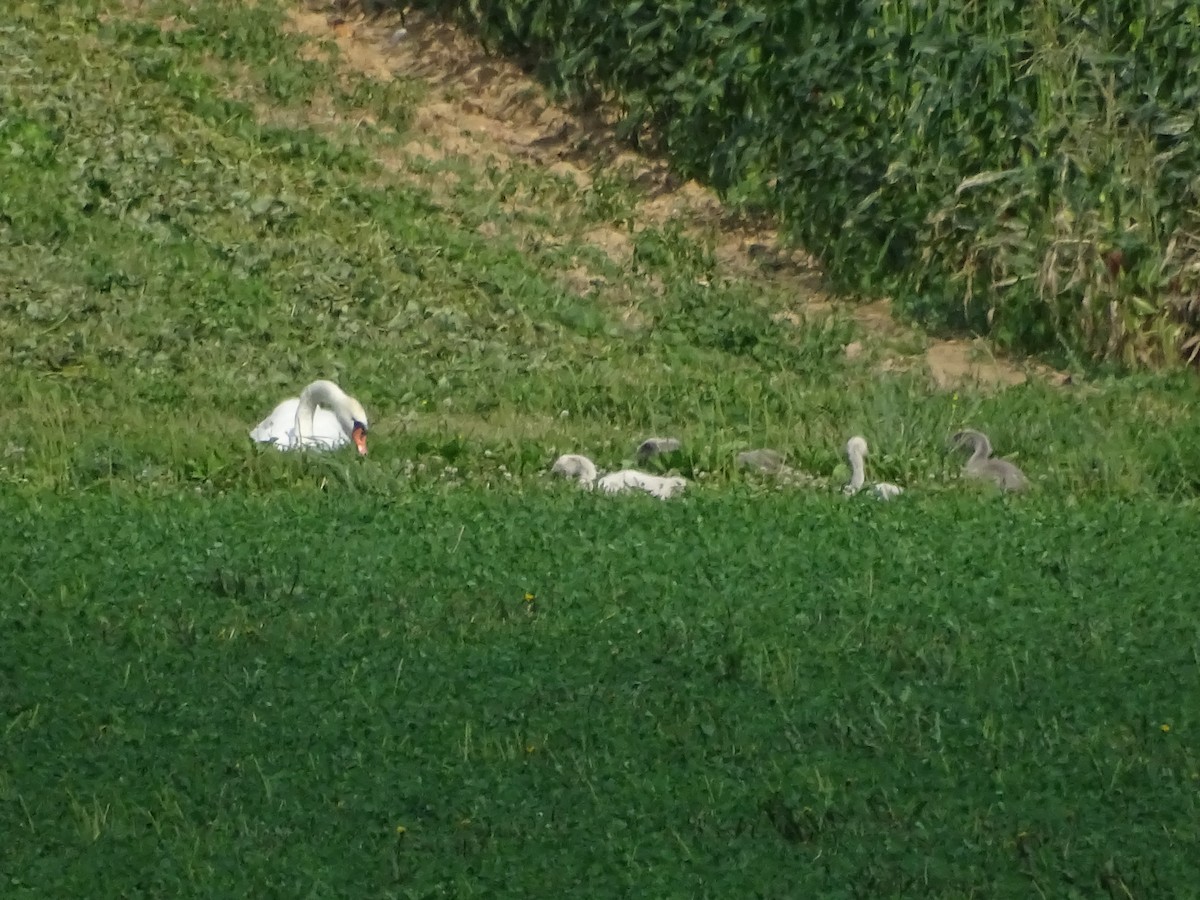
(484, 108)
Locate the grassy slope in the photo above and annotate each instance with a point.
(178, 263)
(255, 666)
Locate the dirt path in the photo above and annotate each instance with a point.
(484, 108)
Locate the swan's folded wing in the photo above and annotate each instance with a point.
(327, 431)
(279, 427)
(630, 479)
(617, 482)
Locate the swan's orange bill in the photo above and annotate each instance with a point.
(360, 439)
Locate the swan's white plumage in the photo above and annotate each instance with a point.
(279, 428)
(583, 470)
(335, 417)
(663, 487)
(856, 452)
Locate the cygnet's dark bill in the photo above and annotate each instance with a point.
(359, 436)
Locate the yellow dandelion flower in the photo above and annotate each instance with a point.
(1164, 727)
(529, 598)
(400, 829)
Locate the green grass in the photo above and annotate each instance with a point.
(179, 261)
(232, 671)
(556, 693)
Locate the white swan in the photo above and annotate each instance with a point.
(856, 452)
(982, 466)
(323, 417)
(583, 470)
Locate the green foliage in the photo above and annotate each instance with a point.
(220, 697)
(982, 162)
(194, 239)
(229, 671)
(177, 266)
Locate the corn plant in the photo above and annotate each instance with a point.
(1021, 169)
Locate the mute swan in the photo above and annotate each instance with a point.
(656, 445)
(982, 466)
(323, 417)
(583, 470)
(856, 452)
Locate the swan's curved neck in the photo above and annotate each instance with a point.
(319, 393)
(858, 474)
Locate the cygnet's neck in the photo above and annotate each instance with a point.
(982, 447)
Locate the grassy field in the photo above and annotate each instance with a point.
(434, 672)
(557, 694)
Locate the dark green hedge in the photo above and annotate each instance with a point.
(1006, 166)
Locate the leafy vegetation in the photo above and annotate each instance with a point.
(180, 263)
(1027, 169)
(551, 691)
(433, 672)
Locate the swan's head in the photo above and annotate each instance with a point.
(572, 465)
(349, 412)
(856, 447)
(353, 419)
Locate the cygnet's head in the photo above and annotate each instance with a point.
(856, 446)
(975, 441)
(656, 445)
